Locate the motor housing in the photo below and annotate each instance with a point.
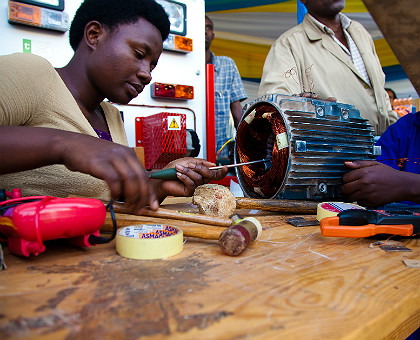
(319, 136)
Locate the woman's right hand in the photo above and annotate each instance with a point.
(116, 164)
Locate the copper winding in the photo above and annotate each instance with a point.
(258, 138)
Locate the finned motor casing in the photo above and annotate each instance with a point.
(321, 136)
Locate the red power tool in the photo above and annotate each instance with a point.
(25, 222)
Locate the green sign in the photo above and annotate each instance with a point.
(26, 46)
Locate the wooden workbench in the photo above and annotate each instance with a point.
(293, 283)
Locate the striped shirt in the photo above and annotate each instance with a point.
(228, 88)
(352, 52)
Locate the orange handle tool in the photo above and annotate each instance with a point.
(330, 226)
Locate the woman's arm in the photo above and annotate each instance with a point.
(25, 148)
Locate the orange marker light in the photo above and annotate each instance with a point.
(39, 17)
(184, 92)
(183, 44)
(25, 13)
(178, 43)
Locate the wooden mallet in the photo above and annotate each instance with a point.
(232, 240)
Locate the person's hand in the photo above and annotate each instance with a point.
(314, 96)
(191, 173)
(373, 184)
(117, 165)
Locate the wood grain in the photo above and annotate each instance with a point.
(285, 206)
(291, 283)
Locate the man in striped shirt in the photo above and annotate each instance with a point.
(228, 91)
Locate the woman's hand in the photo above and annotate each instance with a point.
(119, 167)
(191, 173)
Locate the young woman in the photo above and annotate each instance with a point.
(57, 135)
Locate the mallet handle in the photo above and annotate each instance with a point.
(204, 232)
(177, 215)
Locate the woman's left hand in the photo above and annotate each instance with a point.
(191, 173)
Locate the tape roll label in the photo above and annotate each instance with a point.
(148, 231)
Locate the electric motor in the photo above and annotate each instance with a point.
(307, 141)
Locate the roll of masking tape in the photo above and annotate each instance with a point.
(330, 209)
(149, 242)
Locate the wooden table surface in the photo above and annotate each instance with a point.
(292, 283)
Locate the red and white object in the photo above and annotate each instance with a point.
(164, 138)
(331, 209)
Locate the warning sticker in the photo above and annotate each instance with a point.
(174, 122)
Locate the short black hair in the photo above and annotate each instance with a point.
(112, 13)
(208, 18)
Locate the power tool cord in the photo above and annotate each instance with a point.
(93, 239)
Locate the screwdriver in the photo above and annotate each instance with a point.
(171, 172)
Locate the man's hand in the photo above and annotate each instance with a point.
(373, 184)
(314, 96)
(191, 173)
